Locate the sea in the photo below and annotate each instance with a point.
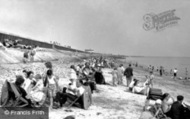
(169, 63)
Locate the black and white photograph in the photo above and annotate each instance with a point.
(94, 59)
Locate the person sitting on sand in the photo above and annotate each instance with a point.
(29, 82)
(98, 75)
(177, 109)
(141, 87)
(74, 91)
(167, 102)
(87, 78)
(156, 110)
(18, 83)
(133, 83)
(37, 95)
(13, 95)
(24, 73)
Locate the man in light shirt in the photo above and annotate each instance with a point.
(73, 92)
(175, 73)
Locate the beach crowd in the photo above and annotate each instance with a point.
(38, 90)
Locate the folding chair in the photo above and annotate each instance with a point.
(153, 95)
(186, 111)
(86, 98)
(19, 98)
(16, 101)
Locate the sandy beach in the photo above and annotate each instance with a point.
(110, 102)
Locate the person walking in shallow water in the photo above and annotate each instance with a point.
(129, 74)
(186, 74)
(175, 73)
(151, 78)
(161, 70)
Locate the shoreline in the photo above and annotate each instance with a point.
(183, 71)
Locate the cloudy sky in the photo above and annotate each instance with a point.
(108, 26)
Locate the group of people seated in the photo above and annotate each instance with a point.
(36, 89)
(167, 108)
(137, 86)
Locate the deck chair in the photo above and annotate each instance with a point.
(187, 111)
(86, 99)
(155, 94)
(152, 96)
(11, 97)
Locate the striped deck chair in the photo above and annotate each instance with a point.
(11, 97)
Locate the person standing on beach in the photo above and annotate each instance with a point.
(120, 72)
(177, 109)
(161, 70)
(186, 74)
(129, 74)
(52, 86)
(175, 73)
(115, 77)
(151, 77)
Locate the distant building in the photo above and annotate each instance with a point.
(89, 50)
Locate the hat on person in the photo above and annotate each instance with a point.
(158, 101)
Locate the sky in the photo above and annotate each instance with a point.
(106, 26)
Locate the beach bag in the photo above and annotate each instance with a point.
(155, 94)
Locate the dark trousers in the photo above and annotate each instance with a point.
(128, 80)
(64, 97)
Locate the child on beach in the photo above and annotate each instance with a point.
(52, 86)
(114, 76)
(151, 77)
